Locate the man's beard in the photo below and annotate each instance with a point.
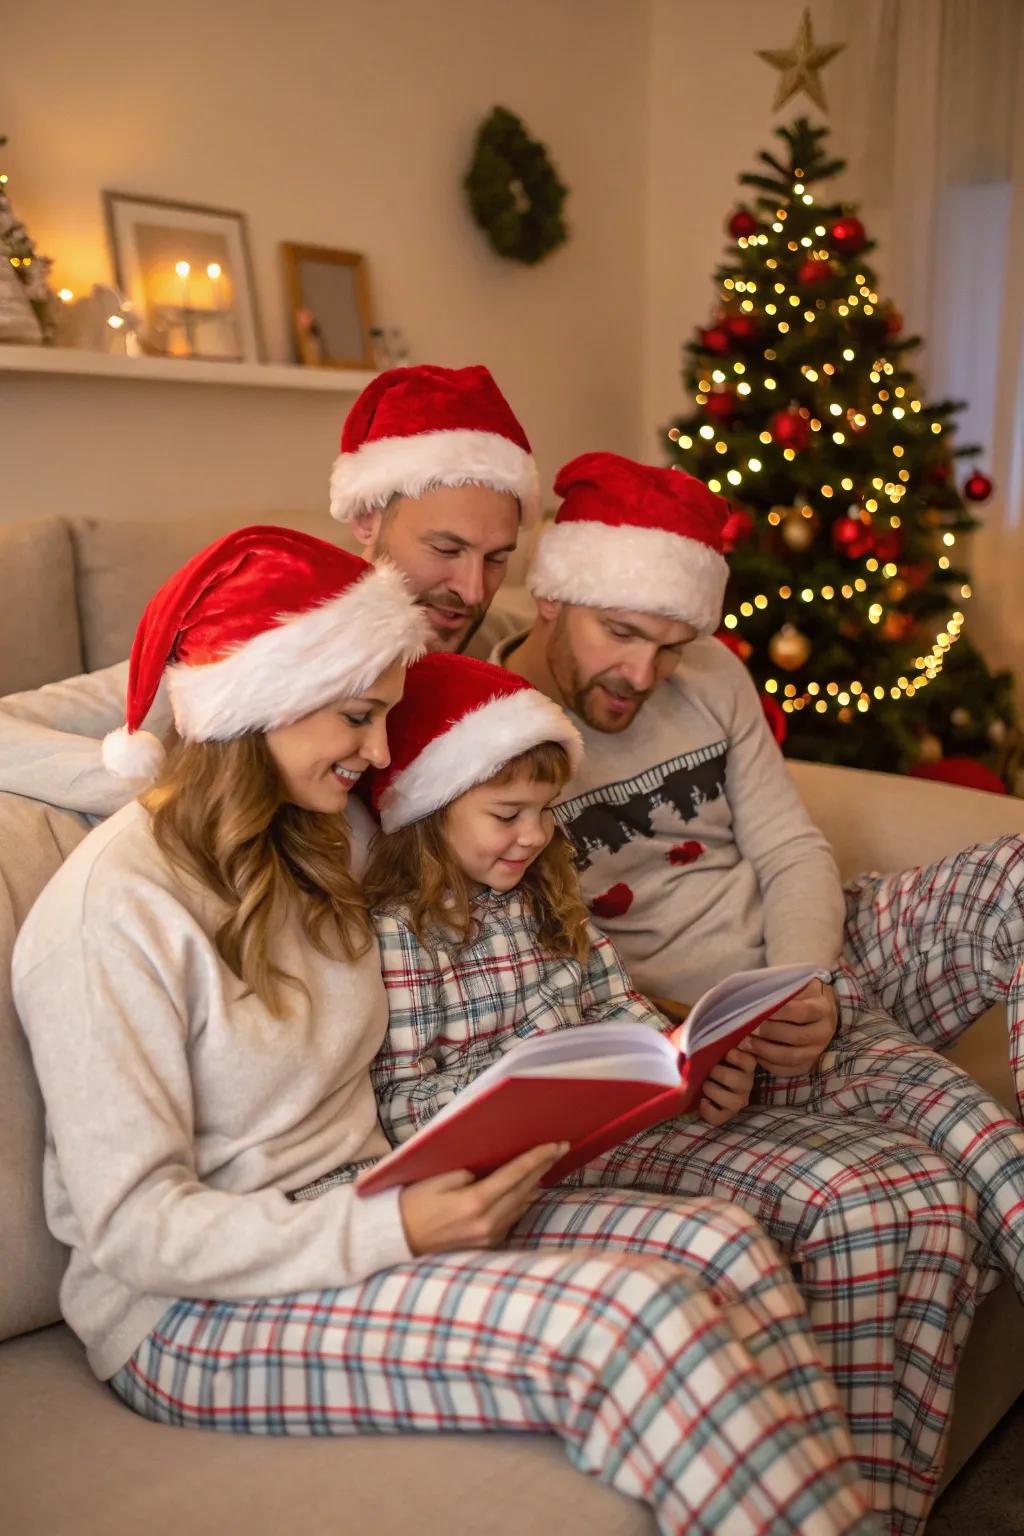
(583, 702)
(578, 694)
(442, 597)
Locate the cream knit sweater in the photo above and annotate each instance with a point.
(181, 1111)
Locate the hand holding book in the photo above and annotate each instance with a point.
(593, 1087)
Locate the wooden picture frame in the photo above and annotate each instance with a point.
(329, 301)
(207, 312)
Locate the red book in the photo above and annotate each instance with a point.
(594, 1086)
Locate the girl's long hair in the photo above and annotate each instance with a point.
(414, 871)
(220, 817)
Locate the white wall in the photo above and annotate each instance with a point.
(340, 122)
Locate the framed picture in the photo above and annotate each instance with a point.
(187, 273)
(329, 297)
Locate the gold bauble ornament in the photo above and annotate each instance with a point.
(929, 748)
(789, 648)
(799, 526)
(896, 591)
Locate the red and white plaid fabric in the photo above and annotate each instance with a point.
(454, 1009)
(936, 946)
(663, 1341)
(885, 1237)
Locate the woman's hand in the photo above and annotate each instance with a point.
(792, 1042)
(728, 1086)
(457, 1211)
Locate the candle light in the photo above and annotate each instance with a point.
(183, 268)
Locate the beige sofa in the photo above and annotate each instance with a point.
(73, 1459)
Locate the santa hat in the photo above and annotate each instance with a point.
(414, 429)
(628, 535)
(459, 722)
(262, 627)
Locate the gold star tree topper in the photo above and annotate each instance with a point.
(800, 64)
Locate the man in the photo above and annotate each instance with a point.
(435, 473)
(698, 859)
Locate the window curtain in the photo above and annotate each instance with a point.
(927, 106)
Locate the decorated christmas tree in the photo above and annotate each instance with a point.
(849, 596)
(32, 271)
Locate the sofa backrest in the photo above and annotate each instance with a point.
(34, 841)
(886, 821)
(39, 634)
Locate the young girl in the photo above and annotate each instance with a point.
(201, 993)
(483, 934)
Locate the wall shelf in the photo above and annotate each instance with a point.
(73, 363)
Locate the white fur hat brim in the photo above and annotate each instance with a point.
(366, 480)
(648, 570)
(473, 750)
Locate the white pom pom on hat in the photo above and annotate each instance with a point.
(133, 754)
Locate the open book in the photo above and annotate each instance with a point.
(594, 1086)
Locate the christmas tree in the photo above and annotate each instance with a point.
(848, 596)
(31, 269)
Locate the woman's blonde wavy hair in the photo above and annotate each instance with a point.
(220, 817)
(415, 871)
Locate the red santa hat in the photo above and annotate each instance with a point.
(262, 627)
(628, 535)
(459, 722)
(414, 429)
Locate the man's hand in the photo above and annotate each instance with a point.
(728, 1086)
(791, 1042)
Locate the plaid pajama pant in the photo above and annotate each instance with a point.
(886, 1239)
(664, 1342)
(935, 947)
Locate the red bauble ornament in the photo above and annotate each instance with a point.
(775, 717)
(715, 340)
(790, 429)
(732, 642)
(737, 529)
(742, 224)
(888, 546)
(893, 322)
(960, 770)
(897, 626)
(848, 235)
(721, 406)
(810, 273)
(852, 538)
(940, 473)
(743, 329)
(978, 487)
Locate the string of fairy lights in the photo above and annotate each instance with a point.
(821, 695)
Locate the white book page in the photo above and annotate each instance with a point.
(740, 997)
(628, 1052)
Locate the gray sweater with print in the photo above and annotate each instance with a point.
(696, 855)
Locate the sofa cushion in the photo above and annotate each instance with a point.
(78, 1462)
(34, 841)
(38, 614)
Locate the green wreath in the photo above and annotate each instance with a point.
(514, 191)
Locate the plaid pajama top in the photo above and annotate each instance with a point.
(455, 1008)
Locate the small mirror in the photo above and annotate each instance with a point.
(330, 306)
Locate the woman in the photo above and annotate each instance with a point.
(203, 999)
